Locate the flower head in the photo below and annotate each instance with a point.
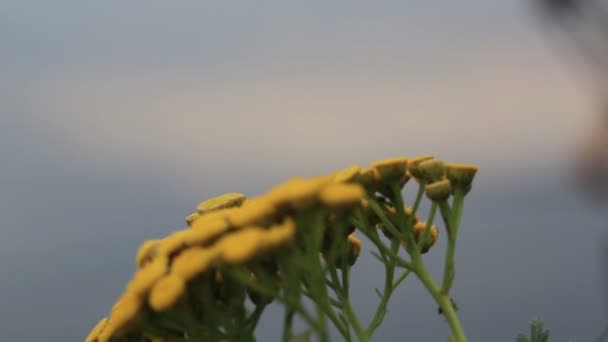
(347, 175)
(413, 164)
(146, 252)
(205, 230)
(439, 191)
(94, 334)
(125, 310)
(341, 196)
(194, 261)
(166, 292)
(432, 237)
(147, 276)
(392, 169)
(460, 174)
(254, 211)
(173, 243)
(241, 246)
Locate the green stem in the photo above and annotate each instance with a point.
(442, 299)
(348, 308)
(287, 325)
(386, 294)
(452, 229)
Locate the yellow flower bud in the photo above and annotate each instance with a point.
(255, 211)
(412, 166)
(194, 261)
(241, 246)
(146, 251)
(342, 196)
(227, 200)
(347, 175)
(205, 230)
(173, 243)
(280, 234)
(125, 310)
(368, 177)
(166, 293)
(431, 170)
(354, 248)
(145, 278)
(94, 334)
(461, 174)
(432, 236)
(439, 191)
(392, 169)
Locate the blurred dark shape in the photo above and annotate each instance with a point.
(585, 24)
(591, 163)
(560, 9)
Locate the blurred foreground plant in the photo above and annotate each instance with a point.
(213, 280)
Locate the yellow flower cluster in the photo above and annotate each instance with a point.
(227, 229)
(232, 231)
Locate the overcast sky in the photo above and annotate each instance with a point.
(117, 118)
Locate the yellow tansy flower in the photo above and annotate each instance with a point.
(227, 200)
(205, 230)
(146, 252)
(280, 234)
(347, 175)
(390, 169)
(173, 243)
(433, 235)
(254, 211)
(194, 261)
(432, 170)
(438, 191)
(339, 196)
(145, 278)
(125, 310)
(241, 246)
(460, 174)
(166, 292)
(107, 333)
(412, 166)
(94, 334)
(354, 248)
(368, 176)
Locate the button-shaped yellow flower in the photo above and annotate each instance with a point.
(431, 170)
(166, 293)
(439, 191)
(354, 248)
(96, 331)
(194, 261)
(227, 200)
(460, 174)
(368, 177)
(241, 246)
(347, 175)
(146, 252)
(412, 166)
(392, 169)
(146, 277)
(432, 237)
(342, 196)
(205, 230)
(125, 310)
(280, 234)
(173, 243)
(255, 211)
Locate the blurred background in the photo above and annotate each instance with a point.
(117, 118)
